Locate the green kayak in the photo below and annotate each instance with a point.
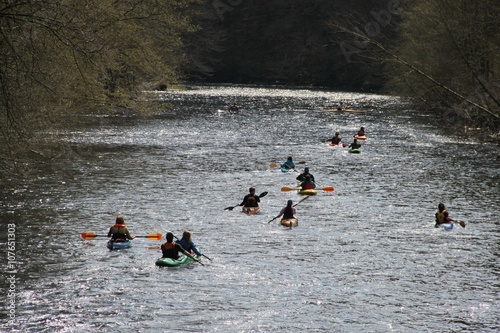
(169, 262)
(354, 151)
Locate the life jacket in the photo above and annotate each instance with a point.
(307, 186)
(119, 236)
(251, 201)
(440, 217)
(169, 250)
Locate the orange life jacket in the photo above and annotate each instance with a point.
(119, 236)
(169, 250)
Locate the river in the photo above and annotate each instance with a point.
(364, 258)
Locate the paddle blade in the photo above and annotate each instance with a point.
(229, 208)
(154, 236)
(88, 235)
(328, 188)
(462, 224)
(273, 165)
(263, 194)
(286, 188)
(302, 162)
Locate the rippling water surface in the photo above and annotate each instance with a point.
(364, 258)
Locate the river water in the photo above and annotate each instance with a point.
(364, 258)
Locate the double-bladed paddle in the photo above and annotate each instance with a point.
(263, 194)
(274, 218)
(91, 236)
(462, 223)
(326, 189)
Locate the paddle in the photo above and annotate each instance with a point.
(201, 254)
(326, 189)
(274, 165)
(274, 218)
(263, 194)
(462, 223)
(91, 236)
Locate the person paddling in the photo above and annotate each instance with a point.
(250, 200)
(170, 249)
(355, 144)
(288, 164)
(361, 132)
(233, 108)
(288, 212)
(187, 243)
(442, 216)
(308, 183)
(119, 232)
(336, 138)
(303, 175)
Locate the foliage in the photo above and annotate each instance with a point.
(456, 45)
(291, 42)
(59, 57)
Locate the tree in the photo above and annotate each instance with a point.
(59, 57)
(451, 52)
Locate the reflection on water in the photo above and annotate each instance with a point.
(364, 258)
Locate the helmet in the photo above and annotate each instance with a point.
(290, 202)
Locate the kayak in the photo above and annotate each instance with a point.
(287, 170)
(445, 226)
(118, 245)
(169, 262)
(354, 151)
(361, 137)
(291, 222)
(251, 210)
(307, 192)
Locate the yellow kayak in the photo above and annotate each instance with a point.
(307, 192)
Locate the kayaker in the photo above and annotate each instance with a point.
(288, 164)
(336, 138)
(187, 243)
(303, 175)
(355, 144)
(119, 232)
(442, 215)
(233, 108)
(288, 211)
(340, 107)
(361, 132)
(250, 200)
(307, 184)
(170, 249)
